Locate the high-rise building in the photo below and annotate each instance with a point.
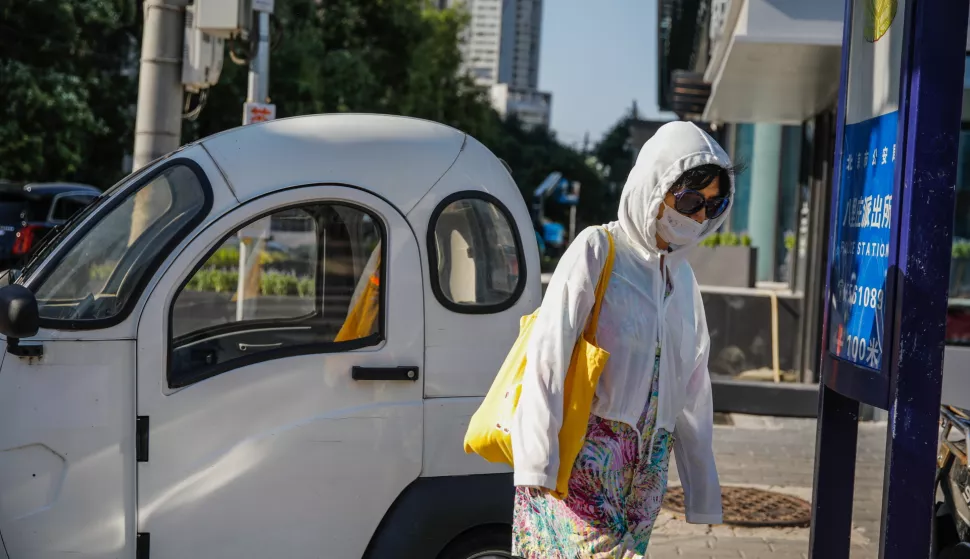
(522, 31)
(481, 43)
(500, 50)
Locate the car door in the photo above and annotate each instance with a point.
(279, 380)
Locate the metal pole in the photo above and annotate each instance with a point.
(572, 212)
(836, 441)
(158, 123)
(241, 284)
(258, 91)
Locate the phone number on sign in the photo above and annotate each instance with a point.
(868, 297)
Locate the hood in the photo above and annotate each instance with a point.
(675, 148)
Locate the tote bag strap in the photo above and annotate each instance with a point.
(594, 317)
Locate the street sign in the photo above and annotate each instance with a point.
(263, 6)
(258, 112)
(863, 217)
(891, 226)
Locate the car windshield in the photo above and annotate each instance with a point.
(51, 241)
(103, 268)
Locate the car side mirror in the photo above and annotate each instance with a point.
(19, 318)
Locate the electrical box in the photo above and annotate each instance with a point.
(202, 55)
(224, 19)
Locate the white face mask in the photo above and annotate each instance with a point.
(678, 229)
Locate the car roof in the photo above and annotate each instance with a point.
(397, 158)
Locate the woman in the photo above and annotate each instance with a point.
(655, 393)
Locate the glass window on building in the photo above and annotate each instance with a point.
(743, 151)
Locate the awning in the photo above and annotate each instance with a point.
(775, 61)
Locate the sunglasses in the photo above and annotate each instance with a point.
(689, 202)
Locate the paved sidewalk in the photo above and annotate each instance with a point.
(776, 454)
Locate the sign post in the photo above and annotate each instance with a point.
(888, 263)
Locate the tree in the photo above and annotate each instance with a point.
(65, 94)
(393, 57)
(616, 156)
(68, 86)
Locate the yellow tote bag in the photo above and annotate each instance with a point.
(488, 432)
(360, 321)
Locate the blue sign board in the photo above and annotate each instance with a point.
(861, 250)
(900, 101)
(864, 228)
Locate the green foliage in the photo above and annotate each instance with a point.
(726, 239)
(211, 279)
(228, 257)
(403, 57)
(270, 283)
(790, 241)
(69, 87)
(100, 273)
(66, 110)
(390, 56)
(961, 250)
(730, 239)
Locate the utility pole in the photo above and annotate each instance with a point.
(257, 107)
(258, 91)
(252, 240)
(158, 124)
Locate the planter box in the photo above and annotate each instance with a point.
(726, 266)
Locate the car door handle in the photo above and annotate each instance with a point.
(384, 373)
(245, 347)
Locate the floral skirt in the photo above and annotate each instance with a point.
(615, 492)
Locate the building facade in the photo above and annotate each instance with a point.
(500, 49)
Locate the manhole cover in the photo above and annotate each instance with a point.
(746, 506)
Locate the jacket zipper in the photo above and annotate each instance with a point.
(660, 323)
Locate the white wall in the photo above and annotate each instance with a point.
(814, 22)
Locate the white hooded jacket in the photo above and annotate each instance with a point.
(634, 317)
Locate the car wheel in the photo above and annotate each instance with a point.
(491, 543)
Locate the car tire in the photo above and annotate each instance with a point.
(488, 543)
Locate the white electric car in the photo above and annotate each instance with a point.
(268, 344)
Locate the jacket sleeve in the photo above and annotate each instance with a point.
(562, 317)
(693, 435)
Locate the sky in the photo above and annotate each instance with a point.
(596, 57)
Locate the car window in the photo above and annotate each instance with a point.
(476, 257)
(105, 267)
(17, 209)
(67, 205)
(300, 280)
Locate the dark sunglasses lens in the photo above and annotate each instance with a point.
(716, 207)
(689, 202)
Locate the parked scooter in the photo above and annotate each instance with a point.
(951, 523)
